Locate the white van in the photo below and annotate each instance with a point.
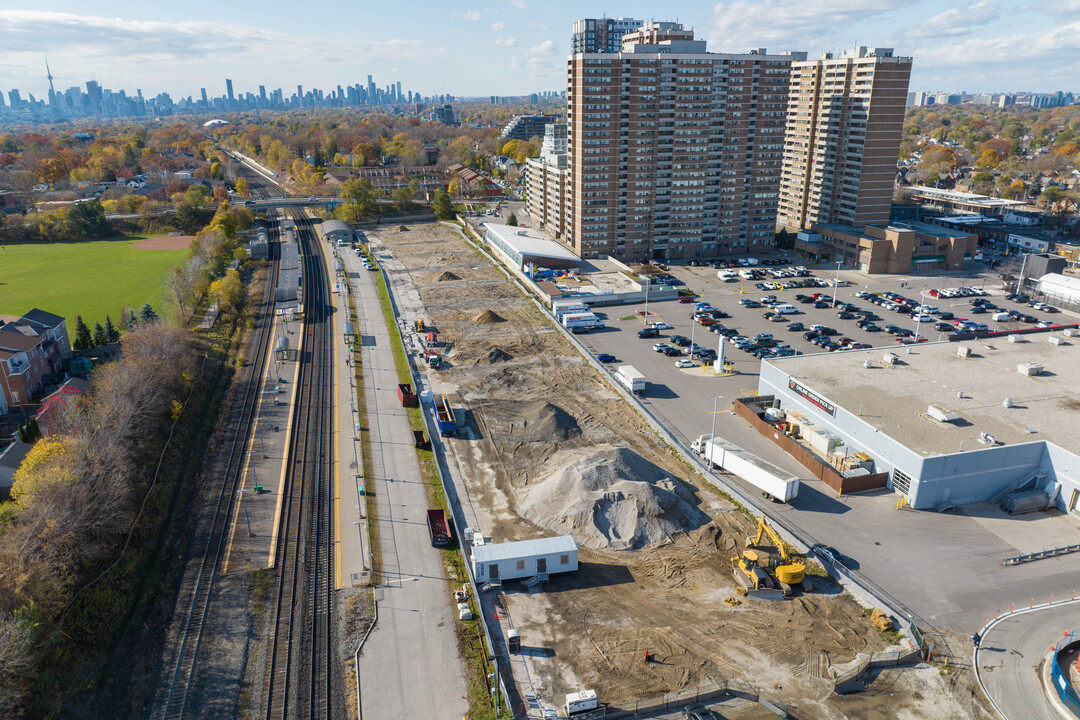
(785, 309)
(746, 274)
(1001, 317)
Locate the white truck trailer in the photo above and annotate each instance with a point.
(775, 483)
(631, 379)
(583, 320)
(562, 306)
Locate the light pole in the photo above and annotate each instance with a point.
(246, 517)
(648, 282)
(360, 536)
(836, 283)
(918, 319)
(712, 433)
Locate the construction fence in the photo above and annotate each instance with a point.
(719, 687)
(750, 409)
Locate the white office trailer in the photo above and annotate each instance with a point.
(524, 559)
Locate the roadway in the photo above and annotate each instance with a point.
(1010, 657)
(410, 666)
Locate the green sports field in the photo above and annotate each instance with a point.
(92, 279)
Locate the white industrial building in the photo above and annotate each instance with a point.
(1059, 289)
(519, 247)
(524, 559)
(952, 423)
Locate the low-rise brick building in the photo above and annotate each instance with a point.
(894, 249)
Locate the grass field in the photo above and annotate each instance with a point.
(92, 279)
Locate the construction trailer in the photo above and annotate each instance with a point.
(495, 562)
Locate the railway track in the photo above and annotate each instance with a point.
(299, 681)
(213, 537)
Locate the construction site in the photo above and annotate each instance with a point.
(666, 598)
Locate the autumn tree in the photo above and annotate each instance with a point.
(228, 292)
(401, 197)
(242, 187)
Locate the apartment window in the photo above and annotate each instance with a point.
(14, 398)
(564, 559)
(520, 564)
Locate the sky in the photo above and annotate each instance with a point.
(505, 47)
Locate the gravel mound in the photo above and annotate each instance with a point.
(448, 276)
(544, 422)
(611, 498)
(487, 318)
(497, 355)
(402, 228)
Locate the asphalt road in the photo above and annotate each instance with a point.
(965, 583)
(1010, 659)
(410, 667)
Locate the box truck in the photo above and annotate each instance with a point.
(773, 482)
(586, 320)
(631, 379)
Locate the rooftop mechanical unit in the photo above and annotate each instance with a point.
(963, 351)
(1016, 339)
(1056, 340)
(941, 414)
(890, 359)
(1029, 369)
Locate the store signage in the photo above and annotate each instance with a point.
(812, 396)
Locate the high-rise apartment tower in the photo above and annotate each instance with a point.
(601, 34)
(674, 152)
(844, 121)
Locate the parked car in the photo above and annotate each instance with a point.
(605, 358)
(672, 351)
(662, 346)
(796, 327)
(679, 340)
(685, 363)
(661, 326)
(649, 332)
(685, 299)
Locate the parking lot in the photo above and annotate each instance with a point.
(890, 547)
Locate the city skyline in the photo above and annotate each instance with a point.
(509, 47)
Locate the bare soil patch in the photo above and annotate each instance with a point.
(168, 242)
(550, 447)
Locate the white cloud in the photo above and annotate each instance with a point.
(506, 42)
(519, 4)
(1059, 8)
(475, 15)
(961, 21)
(498, 26)
(547, 47)
(793, 24)
(174, 54)
(1002, 63)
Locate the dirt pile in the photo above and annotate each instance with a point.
(496, 355)
(544, 422)
(447, 275)
(402, 228)
(487, 317)
(611, 498)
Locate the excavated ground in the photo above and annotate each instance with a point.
(550, 448)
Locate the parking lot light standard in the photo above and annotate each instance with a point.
(712, 433)
(836, 284)
(918, 319)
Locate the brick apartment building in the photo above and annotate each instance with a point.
(545, 182)
(844, 120)
(674, 152)
(31, 348)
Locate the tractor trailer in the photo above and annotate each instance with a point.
(773, 482)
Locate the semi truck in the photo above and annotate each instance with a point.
(587, 320)
(444, 415)
(773, 482)
(565, 306)
(438, 528)
(631, 379)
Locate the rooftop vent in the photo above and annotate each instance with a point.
(1007, 402)
(1016, 339)
(1056, 340)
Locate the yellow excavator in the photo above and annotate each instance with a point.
(790, 572)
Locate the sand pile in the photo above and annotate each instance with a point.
(611, 498)
(497, 355)
(544, 422)
(448, 276)
(487, 318)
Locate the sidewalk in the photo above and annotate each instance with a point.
(415, 637)
(252, 535)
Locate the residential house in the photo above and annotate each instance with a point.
(31, 348)
(151, 191)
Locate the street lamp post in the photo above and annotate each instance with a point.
(246, 517)
(712, 433)
(836, 284)
(918, 319)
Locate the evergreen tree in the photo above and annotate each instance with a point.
(512, 220)
(111, 333)
(442, 206)
(83, 339)
(100, 336)
(147, 314)
(128, 319)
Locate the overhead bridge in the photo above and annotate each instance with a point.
(280, 202)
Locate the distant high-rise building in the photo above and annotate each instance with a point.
(444, 114)
(844, 120)
(262, 93)
(399, 98)
(601, 34)
(52, 91)
(523, 127)
(205, 101)
(674, 152)
(93, 95)
(370, 91)
(229, 90)
(545, 182)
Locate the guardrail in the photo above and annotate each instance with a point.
(1062, 687)
(1052, 552)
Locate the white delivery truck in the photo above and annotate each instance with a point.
(581, 321)
(565, 306)
(631, 379)
(774, 483)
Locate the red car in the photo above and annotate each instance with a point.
(688, 299)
